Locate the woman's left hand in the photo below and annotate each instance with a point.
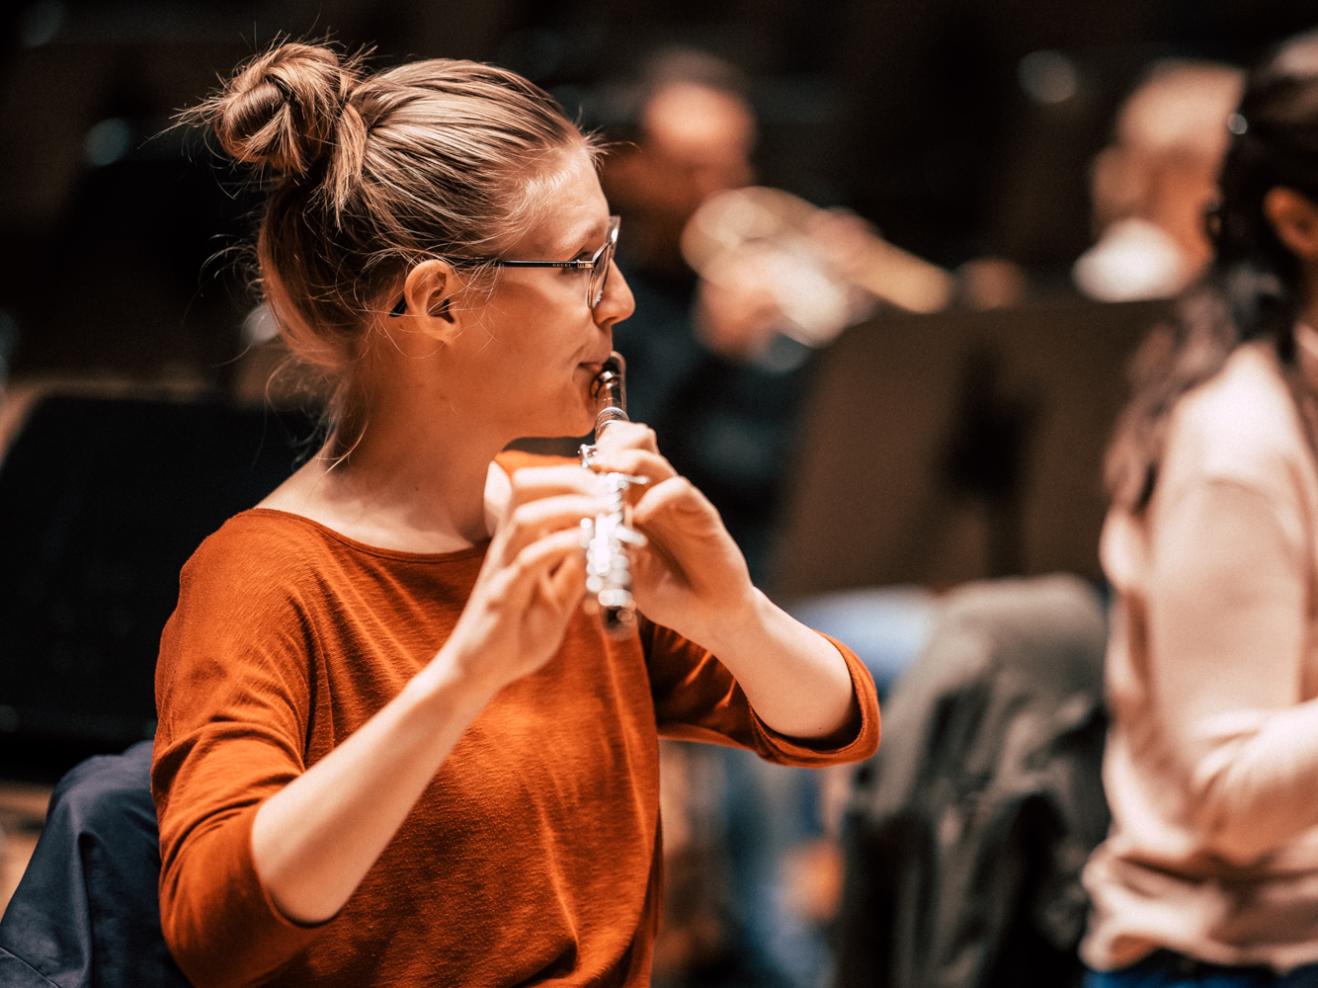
(691, 576)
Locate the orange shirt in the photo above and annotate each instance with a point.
(534, 855)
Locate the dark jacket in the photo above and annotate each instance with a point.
(87, 911)
(966, 833)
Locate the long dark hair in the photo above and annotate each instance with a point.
(1252, 287)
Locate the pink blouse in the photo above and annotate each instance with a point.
(1212, 675)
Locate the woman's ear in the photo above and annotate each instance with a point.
(1294, 218)
(428, 293)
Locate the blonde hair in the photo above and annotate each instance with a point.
(368, 173)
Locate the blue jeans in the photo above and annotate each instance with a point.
(1165, 969)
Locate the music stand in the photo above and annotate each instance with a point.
(942, 448)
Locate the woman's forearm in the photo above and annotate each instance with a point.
(1251, 785)
(314, 840)
(796, 680)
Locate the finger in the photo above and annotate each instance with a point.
(532, 520)
(534, 483)
(626, 435)
(652, 560)
(567, 582)
(686, 535)
(637, 462)
(675, 508)
(537, 561)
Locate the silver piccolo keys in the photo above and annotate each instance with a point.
(606, 537)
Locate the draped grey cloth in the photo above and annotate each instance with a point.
(967, 832)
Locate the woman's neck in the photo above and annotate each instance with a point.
(416, 479)
(399, 480)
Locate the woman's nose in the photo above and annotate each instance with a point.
(618, 302)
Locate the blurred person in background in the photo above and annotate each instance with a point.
(736, 287)
(1150, 186)
(1209, 875)
(686, 131)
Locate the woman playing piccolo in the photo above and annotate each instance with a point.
(392, 747)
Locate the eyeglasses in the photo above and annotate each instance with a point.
(598, 264)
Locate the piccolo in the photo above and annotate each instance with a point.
(607, 539)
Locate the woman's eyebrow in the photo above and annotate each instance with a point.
(588, 239)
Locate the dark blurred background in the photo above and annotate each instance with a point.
(959, 128)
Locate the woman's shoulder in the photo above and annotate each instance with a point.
(1248, 392)
(259, 546)
(1242, 424)
(260, 572)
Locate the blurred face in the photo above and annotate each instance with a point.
(700, 142)
(534, 346)
(697, 141)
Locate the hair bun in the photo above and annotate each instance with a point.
(279, 109)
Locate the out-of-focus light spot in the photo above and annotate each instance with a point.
(1237, 124)
(260, 325)
(40, 23)
(1048, 77)
(107, 141)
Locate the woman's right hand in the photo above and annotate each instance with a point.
(314, 840)
(532, 581)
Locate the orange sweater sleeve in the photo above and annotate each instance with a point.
(233, 693)
(696, 698)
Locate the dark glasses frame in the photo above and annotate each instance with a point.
(598, 264)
